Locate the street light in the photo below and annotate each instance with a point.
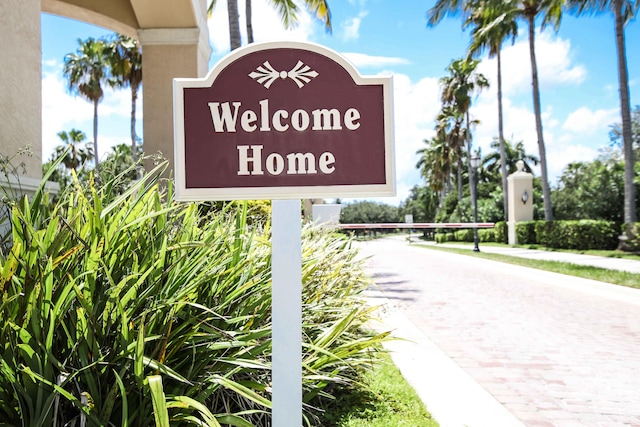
(475, 163)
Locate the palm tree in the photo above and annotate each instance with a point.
(286, 8)
(492, 23)
(125, 64)
(85, 71)
(493, 163)
(451, 131)
(457, 88)
(436, 163)
(623, 12)
(551, 11)
(79, 151)
(247, 19)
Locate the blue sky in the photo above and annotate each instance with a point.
(577, 70)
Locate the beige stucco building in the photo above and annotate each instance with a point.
(175, 42)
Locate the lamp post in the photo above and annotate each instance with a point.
(475, 163)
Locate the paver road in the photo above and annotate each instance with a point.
(554, 350)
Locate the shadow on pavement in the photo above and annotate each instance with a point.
(394, 289)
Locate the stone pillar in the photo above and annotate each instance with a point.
(168, 53)
(520, 199)
(21, 83)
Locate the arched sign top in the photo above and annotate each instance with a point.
(324, 51)
(283, 120)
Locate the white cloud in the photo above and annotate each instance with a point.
(586, 121)
(351, 27)
(364, 60)
(566, 140)
(561, 154)
(267, 25)
(553, 58)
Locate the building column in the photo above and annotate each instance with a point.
(520, 200)
(21, 84)
(167, 53)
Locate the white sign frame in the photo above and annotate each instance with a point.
(182, 193)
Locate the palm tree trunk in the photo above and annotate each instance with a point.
(248, 22)
(630, 214)
(503, 156)
(234, 24)
(459, 175)
(546, 193)
(472, 183)
(95, 132)
(134, 97)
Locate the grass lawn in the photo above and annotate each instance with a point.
(387, 401)
(597, 252)
(621, 278)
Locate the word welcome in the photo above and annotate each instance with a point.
(225, 118)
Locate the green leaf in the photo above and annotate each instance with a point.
(160, 412)
(241, 390)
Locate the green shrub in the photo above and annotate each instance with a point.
(526, 232)
(501, 232)
(592, 234)
(582, 235)
(487, 235)
(441, 237)
(465, 235)
(130, 309)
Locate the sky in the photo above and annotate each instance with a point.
(576, 67)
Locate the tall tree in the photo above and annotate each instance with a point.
(451, 131)
(125, 64)
(86, 72)
(513, 152)
(79, 151)
(286, 8)
(421, 203)
(248, 16)
(436, 162)
(591, 190)
(493, 22)
(552, 12)
(529, 10)
(623, 12)
(458, 87)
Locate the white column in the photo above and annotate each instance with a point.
(168, 53)
(21, 83)
(520, 199)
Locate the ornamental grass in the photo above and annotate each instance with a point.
(120, 307)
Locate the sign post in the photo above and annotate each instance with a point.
(283, 121)
(286, 313)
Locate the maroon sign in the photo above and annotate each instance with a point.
(283, 120)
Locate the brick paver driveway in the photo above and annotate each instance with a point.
(554, 350)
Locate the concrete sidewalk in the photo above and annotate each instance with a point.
(620, 264)
(491, 344)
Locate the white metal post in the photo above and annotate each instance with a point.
(286, 312)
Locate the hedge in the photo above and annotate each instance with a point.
(501, 232)
(583, 234)
(526, 232)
